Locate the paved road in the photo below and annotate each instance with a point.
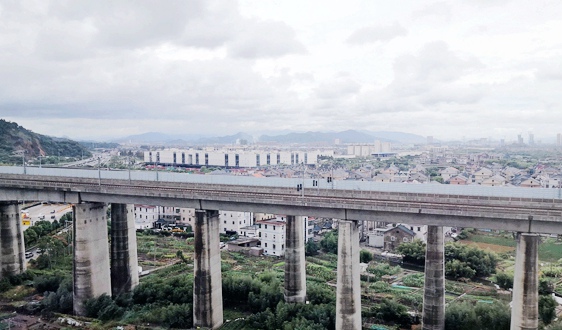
(46, 211)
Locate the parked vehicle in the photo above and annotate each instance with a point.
(28, 255)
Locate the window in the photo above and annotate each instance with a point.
(265, 226)
(232, 222)
(265, 244)
(392, 238)
(274, 246)
(405, 239)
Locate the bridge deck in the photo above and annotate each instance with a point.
(521, 209)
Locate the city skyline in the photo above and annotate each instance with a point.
(103, 71)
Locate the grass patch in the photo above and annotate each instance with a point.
(550, 250)
(18, 293)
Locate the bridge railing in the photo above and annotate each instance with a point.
(307, 184)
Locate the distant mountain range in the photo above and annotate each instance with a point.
(349, 136)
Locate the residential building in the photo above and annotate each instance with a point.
(394, 236)
(234, 157)
(145, 215)
(458, 180)
(231, 221)
(494, 181)
(272, 236)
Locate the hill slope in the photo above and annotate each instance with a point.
(14, 138)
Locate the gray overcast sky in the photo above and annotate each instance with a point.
(451, 69)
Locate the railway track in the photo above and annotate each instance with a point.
(350, 199)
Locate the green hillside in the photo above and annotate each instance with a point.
(14, 139)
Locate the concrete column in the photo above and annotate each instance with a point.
(295, 266)
(348, 295)
(525, 301)
(433, 315)
(124, 261)
(91, 254)
(207, 284)
(12, 247)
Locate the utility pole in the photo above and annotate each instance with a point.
(23, 161)
(99, 171)
(303, 172)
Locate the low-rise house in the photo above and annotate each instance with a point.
(382, 177)
(494, 181)
(247, 245)
(459, 180)
(395, 236)
(375, 238)
(448, 173)
(482, 174)
(531, 183)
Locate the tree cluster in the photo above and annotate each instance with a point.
(330, 242)
(41, 228)
(460, 260)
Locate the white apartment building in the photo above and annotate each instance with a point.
(145, 215)
(272, 234)
(367, 149)
(234, 157)
(234, 221)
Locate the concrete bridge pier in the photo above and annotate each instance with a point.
(91, 254)
(12, 247)
(433, 314)
(207, 283)
(348, 294)
(124, 261)
(525, 298)
(295, 266)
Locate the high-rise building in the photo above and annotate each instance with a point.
(559, 139)
(531, 139)
(519, 139)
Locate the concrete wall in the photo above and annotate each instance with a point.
(91, 254)
(12, 248)
(124, 261)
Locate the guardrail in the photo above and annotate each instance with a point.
(307, 184)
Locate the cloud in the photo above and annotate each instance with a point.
(435, 62)
(265, 39)
(372, 34)
(340, 86)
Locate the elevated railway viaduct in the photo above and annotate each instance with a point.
(528, 212)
